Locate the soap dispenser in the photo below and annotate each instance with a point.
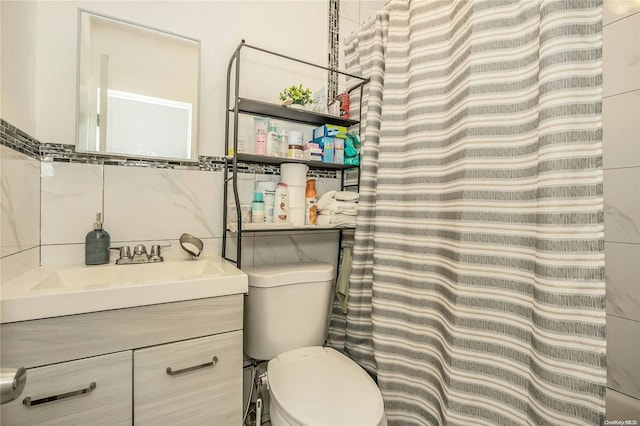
(96, 244)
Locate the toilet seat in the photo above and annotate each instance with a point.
(322, 387)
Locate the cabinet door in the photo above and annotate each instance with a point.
(91, 391)
(204, 387)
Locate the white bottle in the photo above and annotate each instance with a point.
(273, 144)
(284, 144)
(268, 189)
(281, 205)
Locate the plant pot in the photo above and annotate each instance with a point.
(300, 107)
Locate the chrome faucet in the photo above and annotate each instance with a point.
(125, 255)
(140, 254)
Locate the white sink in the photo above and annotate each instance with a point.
(66, 290)
(138, 274)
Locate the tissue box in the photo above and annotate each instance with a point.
(331, 131)
(327, 144)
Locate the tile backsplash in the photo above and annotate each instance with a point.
(20, 218)
(51, 194)
(71, 197)
(19, 213)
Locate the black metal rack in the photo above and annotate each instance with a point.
(235, 106)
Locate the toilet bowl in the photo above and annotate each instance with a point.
(285, 320)
(320, 386)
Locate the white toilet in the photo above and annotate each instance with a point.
(285, 321)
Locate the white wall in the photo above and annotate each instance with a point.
(40, 42)
(18, 63)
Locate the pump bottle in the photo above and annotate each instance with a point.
(96, 244)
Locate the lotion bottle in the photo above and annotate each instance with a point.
(273, 144)
(257, 208)
(310, 201)
(281, 205)
(96, 244)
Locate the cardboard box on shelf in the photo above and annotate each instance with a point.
(327, 144)
(338, 151)
(330, 130)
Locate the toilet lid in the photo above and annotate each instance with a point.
(320, 386)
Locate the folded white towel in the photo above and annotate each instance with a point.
(337, 220)
(329, 202)
(346, 196)
(339, 207)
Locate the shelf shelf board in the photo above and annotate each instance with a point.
(271, 227)
(262, 159)
(253, 107)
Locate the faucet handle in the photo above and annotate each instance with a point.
(125, 254)
(140, 254)
(155, 255)
(139, 249)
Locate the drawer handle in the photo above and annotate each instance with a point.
(213, 363)
(30, 403)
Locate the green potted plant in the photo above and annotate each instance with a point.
(296, 95)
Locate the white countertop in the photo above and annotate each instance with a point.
(52, 291)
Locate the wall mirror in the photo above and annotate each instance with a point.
(137, 91)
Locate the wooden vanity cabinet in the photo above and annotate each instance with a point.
(92, 391)
(150, 365)
(202, 384)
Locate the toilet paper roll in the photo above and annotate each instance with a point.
(296, 196)
(296, 216)
(293, 174)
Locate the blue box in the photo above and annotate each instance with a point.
(338, 151)
(330, 130)
(328, 146)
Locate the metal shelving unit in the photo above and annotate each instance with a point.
(237, 105)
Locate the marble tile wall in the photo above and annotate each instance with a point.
(621, 159)
(19, 213)
(48, 207)
(139, 205)
(150, 205)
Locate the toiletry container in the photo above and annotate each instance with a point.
(96, 244)
(281, 203)
(268, 189)
(273, 142)
(295, 145)
(257, 208)
(311, 199)
(261, 126)
(283, 140)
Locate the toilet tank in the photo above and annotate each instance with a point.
(287, 307)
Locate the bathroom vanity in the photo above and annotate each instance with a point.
(168, 362)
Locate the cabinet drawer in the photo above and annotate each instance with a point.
(108, 403)
(197, 391)
(51, 340)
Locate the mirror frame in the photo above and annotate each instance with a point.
(195, 133)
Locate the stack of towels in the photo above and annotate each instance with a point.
(338, 208)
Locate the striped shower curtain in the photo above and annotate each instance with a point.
(477, 289)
